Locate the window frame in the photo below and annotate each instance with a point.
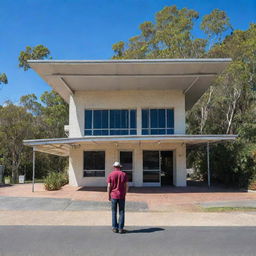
(95, 173)
(130, 170)
(130, 131)
(149, 129)
(153, 170)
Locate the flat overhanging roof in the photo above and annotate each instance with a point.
(192, 76)
(61, 146)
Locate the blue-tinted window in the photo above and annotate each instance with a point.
(100, 119)
(157, 121)
(110, 122)
(133, 122)
(88, 119)
(170, 118)
(145, 118)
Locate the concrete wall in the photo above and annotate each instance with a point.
(112, 154)
(125, 100)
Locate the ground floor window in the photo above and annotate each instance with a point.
(94, 163)
(151, 166)
(126, 160)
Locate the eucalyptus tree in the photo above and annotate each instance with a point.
(37, 52)
(229, 104)
(15, 125)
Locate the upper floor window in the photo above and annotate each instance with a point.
(110, 122)
(157, 121)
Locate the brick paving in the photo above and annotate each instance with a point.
(157, 199)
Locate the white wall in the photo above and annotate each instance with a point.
(125, 100)
(112, 154)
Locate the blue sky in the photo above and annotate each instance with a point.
(85, 29)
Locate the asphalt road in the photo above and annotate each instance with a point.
(63, 240)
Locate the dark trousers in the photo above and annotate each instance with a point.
(121, 206)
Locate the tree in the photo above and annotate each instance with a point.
(38, 52)
(15, 125)
(233, 110)
(54, 114)
(168, 37)
(229, 106)
(49, 118)
(215, 24)
(3, 78)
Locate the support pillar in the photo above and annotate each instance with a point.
(208, 164)
(33, 175)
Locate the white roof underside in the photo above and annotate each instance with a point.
(61, 146)
(192, 76)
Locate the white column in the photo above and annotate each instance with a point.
(208, 164)
(138, 168)
(33, 175)
(180, 172)
(75, 167)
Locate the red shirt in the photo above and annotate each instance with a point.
(117, 179)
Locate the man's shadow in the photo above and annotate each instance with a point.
(145, 230)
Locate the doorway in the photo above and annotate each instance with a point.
(157, 168)
(166, 168)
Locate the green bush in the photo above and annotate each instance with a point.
(55, 180)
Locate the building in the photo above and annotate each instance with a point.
(128, 110)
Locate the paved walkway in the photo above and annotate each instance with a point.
(157, 199)
(145, 207)
(149, 219)
(61, 204)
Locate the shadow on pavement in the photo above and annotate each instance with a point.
(192, 187)
(145, 230)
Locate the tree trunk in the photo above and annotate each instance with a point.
(14, 169)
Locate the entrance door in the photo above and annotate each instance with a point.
(157, 168)
(166, 165)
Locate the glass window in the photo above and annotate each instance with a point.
(152, 176)
(151, 166)
(157, 121)
(126, 160)
(133, 122)
(110, 122)
(94, 160)
(129, 174)
(88, 119)
(150, 160)
(94, 173)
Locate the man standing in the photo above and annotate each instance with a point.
(117, 189)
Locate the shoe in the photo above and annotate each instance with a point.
(122, 231)
(115, 230)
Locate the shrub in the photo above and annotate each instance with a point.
(252, 183)
(55, 180)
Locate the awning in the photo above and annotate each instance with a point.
(192, 76)
(61, 146)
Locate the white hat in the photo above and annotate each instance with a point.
(117, 164)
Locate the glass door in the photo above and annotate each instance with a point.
(151, 168)
(166, 162)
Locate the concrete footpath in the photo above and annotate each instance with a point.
(144, 207)
(149, 219)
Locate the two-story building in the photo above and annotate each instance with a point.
(132, 111)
